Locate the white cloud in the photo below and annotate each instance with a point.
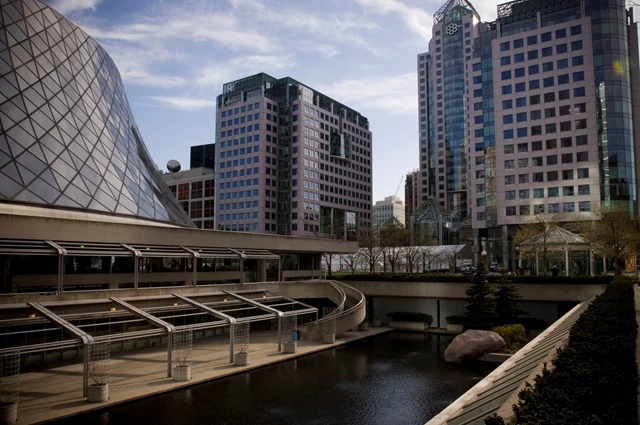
(416, 19)
(67, 6)
(185, 103)
(395, 94)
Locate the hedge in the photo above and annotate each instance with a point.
(595, 379)
(407, 316)
(446, 277)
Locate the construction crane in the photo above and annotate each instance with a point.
(399, 184)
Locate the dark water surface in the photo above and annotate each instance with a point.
(395, 379)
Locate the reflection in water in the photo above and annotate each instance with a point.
(395, 379)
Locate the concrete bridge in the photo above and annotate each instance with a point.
(545, 301)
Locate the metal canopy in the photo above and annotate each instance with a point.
(26, 247)
(96, 249)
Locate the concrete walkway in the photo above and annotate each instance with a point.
(55, 391)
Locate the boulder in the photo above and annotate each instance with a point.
(472, 344)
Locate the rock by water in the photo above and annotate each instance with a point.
(472, 344)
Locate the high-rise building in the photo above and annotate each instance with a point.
(392, 208)
(194, 190)
(203, 156)
(291, 160)
(530, 114)
(412, 198)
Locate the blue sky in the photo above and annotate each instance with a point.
(174, 57)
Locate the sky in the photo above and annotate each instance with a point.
(175, 55)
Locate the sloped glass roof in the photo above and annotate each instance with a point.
(557, 236)
(68, 138)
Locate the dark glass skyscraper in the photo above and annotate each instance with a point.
(203, 156)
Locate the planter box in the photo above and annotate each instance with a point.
(290, 347)
(97, 393)
(364, 326)
(409, 326)
(377, 323)
(328, 338)
(182, 373)
(8, 412)
(241, 359)
(452, 327)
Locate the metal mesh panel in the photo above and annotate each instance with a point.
(99, 356)
(182, 348)
(290, 328)
(241, 338)
(9, 377)
(329, 326)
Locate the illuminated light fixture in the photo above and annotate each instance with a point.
(147, 248)
(264, 297)
(175, 304)
(32, 316)
(199, 250)
(112, 309)
(224, 300)
(81, 246)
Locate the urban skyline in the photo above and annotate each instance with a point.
(367, 62)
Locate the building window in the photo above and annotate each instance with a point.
(183, 191)
(552, 192)
(510, 195)
(583, 189)
(511, 211)
(569, 207)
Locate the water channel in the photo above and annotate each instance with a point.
(395, 379)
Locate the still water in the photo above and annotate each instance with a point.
(396, 378)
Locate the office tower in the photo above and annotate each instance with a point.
(412, 199)
(194, 190)
(291, 160)
(390, 211)
(529, 114)
(203, 156)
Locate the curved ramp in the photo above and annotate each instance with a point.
(350, 312)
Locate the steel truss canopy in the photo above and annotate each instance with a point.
(61, 325)
(94, 249)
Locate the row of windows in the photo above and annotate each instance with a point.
(239, 183)
(241, 130)
(544, 37)
(565, 142)
(566, 158)
(552, 192)
(239, 162)
(241, 151)
(535, 84)
(240, 120)
(240, 110)
(578, 108)
(238, 216)
(198, 190)
(239, 173)
(544, 52)
(552, 208)
(536, 99)
(241, 141)
(549, 128)
(238, 195)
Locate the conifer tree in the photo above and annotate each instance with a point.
(506, 297)
(479, 312)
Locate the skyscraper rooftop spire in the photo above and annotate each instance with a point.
(454, 9)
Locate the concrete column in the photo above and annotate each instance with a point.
(566, 262)
(231, 326)
(537, 265)
(241, 270)
(262, 270)
(592, 271)
(169, 350)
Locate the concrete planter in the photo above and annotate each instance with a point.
(328, 338)
(453, 327)
(409, 326)
(377, 323)
(364, 326)
(290, 347)
(97, 393)
(8, 412)
(241, 359)
(182, 373)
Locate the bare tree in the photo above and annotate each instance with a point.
(412, 256)
(614, 234)
(538, 225)
(352, 261)
(328, 260)
(449, 256)
(430, 255)
(370, 251)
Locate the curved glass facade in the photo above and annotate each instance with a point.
(67, 134)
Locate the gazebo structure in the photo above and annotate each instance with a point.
(567, 254)
(431, 223)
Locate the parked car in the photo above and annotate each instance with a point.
(493, 267)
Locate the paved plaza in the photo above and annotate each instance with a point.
(55, 390)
